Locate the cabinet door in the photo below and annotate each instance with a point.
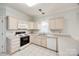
(32, 40)
(44, 41)
(12, 23)
(30, 25)
(22, 24)
(39, 24)
(38, 40)
(52, 24)
(60, 23)
(35, 25)
(1, 36)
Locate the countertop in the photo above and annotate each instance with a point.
(52, 35)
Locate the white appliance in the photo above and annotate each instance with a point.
(51, 42)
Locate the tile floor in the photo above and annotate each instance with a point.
(34, 50)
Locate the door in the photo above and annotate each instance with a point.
(1, 34)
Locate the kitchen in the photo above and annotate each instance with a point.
(52, 31)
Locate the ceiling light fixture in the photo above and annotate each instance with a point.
(30, 4)
(41, 11)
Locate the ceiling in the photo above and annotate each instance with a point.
(48, 8)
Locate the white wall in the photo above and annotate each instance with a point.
(2, 28)
(71, 24)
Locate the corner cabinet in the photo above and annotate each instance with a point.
(56, 23)
(12, 23)
(39, 40)
(35, 39)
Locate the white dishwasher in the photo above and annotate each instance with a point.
(51, 43)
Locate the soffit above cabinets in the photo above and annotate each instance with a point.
(47, 8)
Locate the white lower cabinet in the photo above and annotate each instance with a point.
(36, 40)
(13, 45)
(39, 40)
(51, 43)
(44, 41)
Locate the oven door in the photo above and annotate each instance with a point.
(24, 40)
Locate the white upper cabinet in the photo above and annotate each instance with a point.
(60, 23)
(16, 23)
(52, 24)
(36, 25)
(12, 23)
(30, 25)
(22, 24)
(56, 23)
(33, 25)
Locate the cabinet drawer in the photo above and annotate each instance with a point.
(15, 43)
(16, 39)
(14, 46)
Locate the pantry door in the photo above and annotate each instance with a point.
(1, 34)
